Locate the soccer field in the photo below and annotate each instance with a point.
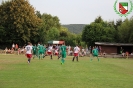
(15, 72)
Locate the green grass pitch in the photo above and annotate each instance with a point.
(15, 72)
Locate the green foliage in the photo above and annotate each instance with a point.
(2, 33)
(50, 21)
(98, 20)
(75, 28)
(49, 29)
(19, 23)
(118, 23)
(131, 30)
(125, 31)
(98, 32)
(53, 34)
(19, 20)
(38, 14)
(63, 32)
(68, 37)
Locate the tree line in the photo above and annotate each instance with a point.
(103, 31)
(20, 23)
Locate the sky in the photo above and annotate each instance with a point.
(80, 11)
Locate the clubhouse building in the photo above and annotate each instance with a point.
(115, 47)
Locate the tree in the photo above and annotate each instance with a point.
(50, 24)
(38, 14)
(50, 21)
(98, 32)
(53, 34)
(125, 31)
(98, 19)
(19, 21)
(63, 32)
(2, 34)
(131, 30)
(116, 25)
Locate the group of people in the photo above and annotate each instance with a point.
(12, 49)
(41, 51)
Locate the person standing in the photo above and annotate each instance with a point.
(50, 51)
(127, 54)
(44, 51)
(59, 51)
(41, 51)
(56, 51)
(95, 53)
(63, 53)
(34, 48)
(16, 47)
(13, 46)
(76, 53)
(121, 50)
(28, 51)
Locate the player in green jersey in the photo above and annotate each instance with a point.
(34, 49)
(95, 53)
(44, 51)
(40, 51)
(63, 53)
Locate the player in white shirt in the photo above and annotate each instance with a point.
(50, 51)
(76, 52)
(56, 51)
(28, 51)
(83, 52)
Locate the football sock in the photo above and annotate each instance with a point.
(91, 59)
(51, 56)
(63, 60)
(73, 58)
(77, 58)
(98, 59)
(29, 60)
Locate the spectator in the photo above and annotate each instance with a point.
(13, 46)
(6, 49)
(12, 50)
(104, 54)
(132, 53)
(16, 47)
(127, 54)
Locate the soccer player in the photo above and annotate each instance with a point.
(40, 51)
(28, 51)
(95, 53)
(59, 51)
(63, 53)
(50, 51)
(34, 49)
(44, 51)
(76, 53)
(56, 51)
(37, 50)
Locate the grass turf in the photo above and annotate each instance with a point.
(15, 72)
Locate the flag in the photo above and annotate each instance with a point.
(123, 7)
